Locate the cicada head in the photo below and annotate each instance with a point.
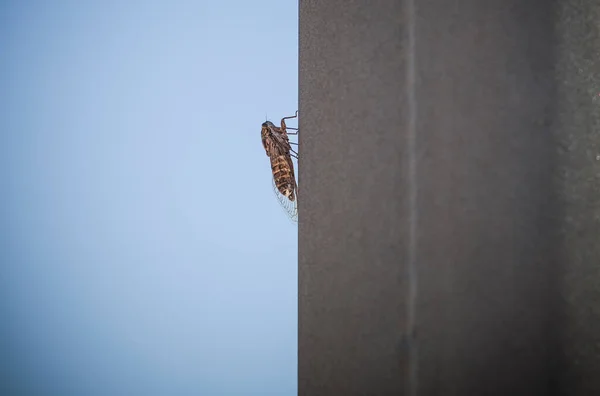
(267, 129)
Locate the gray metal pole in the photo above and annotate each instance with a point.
(578, 126)
(426, 188)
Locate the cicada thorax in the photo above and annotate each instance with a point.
(283, 175)
(274, 140)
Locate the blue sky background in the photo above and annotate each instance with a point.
(143, 251)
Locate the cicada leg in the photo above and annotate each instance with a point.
(289, 117)
(285, 127)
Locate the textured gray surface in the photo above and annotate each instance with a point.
(578, 129)
(488, 243)
(508, 246)
(351, 199)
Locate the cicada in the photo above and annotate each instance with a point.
(278, 147)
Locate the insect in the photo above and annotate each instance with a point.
(278, 147)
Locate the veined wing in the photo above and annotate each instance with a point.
(284, 184)
(290, 207)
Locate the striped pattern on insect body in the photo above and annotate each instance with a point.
(277, 145)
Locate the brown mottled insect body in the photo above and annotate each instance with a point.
(278, 148)
(283, 175)
(274, 140)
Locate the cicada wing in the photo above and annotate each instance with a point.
(290, 207)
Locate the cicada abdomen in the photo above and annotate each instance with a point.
(284, 184)
(277, 146)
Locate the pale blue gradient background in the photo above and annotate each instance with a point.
(142, 249)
